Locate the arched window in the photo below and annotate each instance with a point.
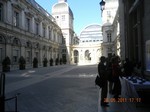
(87, 55)
(76, 56)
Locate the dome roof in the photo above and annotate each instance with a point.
(61, 7)
(91, 33)
(93, 30)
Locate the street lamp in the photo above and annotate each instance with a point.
(102, 5)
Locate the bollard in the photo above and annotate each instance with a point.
(2, 92)
(2, 104)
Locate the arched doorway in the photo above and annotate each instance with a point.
(76, 56)
(87, 55)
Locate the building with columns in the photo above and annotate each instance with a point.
(27, 30)
(89, 49)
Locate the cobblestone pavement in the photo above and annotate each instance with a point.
(57, 89)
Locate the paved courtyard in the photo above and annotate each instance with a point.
(58, 89)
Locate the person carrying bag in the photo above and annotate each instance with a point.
(102, 74)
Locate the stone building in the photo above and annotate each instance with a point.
(89, 49)
(27, 30)
(110, 29)
(64, 18)
(134, 31)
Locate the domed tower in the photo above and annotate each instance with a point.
(64, 18)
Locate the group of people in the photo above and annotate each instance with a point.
(110, 70)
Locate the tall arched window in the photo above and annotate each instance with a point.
(76, 56)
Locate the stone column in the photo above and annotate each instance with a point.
(40, 57)
(32, 25)
(47, 32)
(40, 28)
(52, 34)
(23, 51)
(9, 12)
(8, 50)
(22, 21)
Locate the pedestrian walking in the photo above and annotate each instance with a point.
(103, 74)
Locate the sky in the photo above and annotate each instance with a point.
(85, 12)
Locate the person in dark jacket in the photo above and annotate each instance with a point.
(103, 74)
(116, 73)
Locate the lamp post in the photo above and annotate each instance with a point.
(102, 5)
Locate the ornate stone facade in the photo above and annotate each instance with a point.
(27, 30)
(64, 18)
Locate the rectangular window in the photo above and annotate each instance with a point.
(1, 12)
(15, 55)
(63, 17)
(27, 24)
(63, 50)
(36, 28)
(56, 17)
(50, 34)
(16, 18)
(109, 13)
(63, 41)
(109, 37)
(28, 57)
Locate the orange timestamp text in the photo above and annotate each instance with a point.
(121, 100)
